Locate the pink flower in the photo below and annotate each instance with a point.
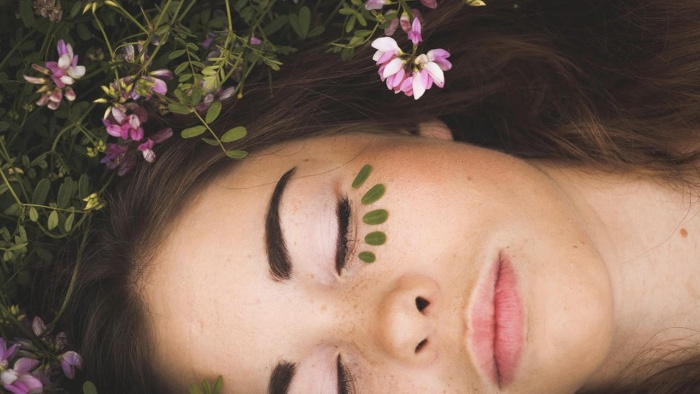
(125, 121)
(429, 3)
(374, 4)
(414, 34)
(6, 353)
(59, 76)
(66, 70)
(19, 380)
(429, 70)
(146, 148)
(70, 360)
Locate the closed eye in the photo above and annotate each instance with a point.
(341, 255)
(345, 380)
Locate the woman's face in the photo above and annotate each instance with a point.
(485, 281)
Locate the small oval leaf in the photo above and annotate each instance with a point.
(178, 108)
(378, 216)
(367, 257)
(213, 112)
(41, 191)
(193, 131)
(53, 220)
(234, 134)
(375, 238)
(236, 154)
(362, 176)
(89, 388)
(68, 225)
(33, 214)
(373, 194)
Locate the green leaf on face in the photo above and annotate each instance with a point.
(375, 238)
(373, 194)
(213, 112)
(193, 131)
(234, 134)
(367, 257)
(362, 176)
(378, 216)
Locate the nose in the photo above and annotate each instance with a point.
(407, 320)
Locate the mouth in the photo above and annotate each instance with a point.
(497, 324)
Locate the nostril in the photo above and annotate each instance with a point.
(421, 303)
(421, 345)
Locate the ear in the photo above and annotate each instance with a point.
(435, 128)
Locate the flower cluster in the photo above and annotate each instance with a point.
(21, 369)
(125, 118)
(409, 73)
(59, 76)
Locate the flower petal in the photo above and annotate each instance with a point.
(25, 364)
(393, 67)
(436, 73)
(418, 86)
(386, 44)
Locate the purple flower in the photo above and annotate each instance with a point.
(115, 155)
(152, 83)
(59, 76)
(70, 360)
(146, 148)
(125, 121)
(414, 34)
(66, 70)
(19, 380)
(6, 353)
(429, 3)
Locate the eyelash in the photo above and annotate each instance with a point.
(344, 213)
(345, 380)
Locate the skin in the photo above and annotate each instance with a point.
(582, 245)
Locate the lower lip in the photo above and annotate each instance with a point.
(497, 324)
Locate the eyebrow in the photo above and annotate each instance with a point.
(276, 247)
(281, 378)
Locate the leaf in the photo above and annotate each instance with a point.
(378, 216)
(33, 214)
(375, 238)
(210, 141)
(53, 220)
(367, 257)
(304, 21)
(83, 186)
(193, 131)
(213, 112)
(68, 225)
(236, 154)
(89, 388)
(373, 194)
(65, 192)
(234, 134)
(180, 109)
(362, 176)
(218, 385)
(41, 191)
(176, 54)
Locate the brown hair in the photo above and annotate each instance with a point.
(602, 83)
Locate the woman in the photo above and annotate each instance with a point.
(557, 257)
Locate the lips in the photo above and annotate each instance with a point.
(497, 324)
